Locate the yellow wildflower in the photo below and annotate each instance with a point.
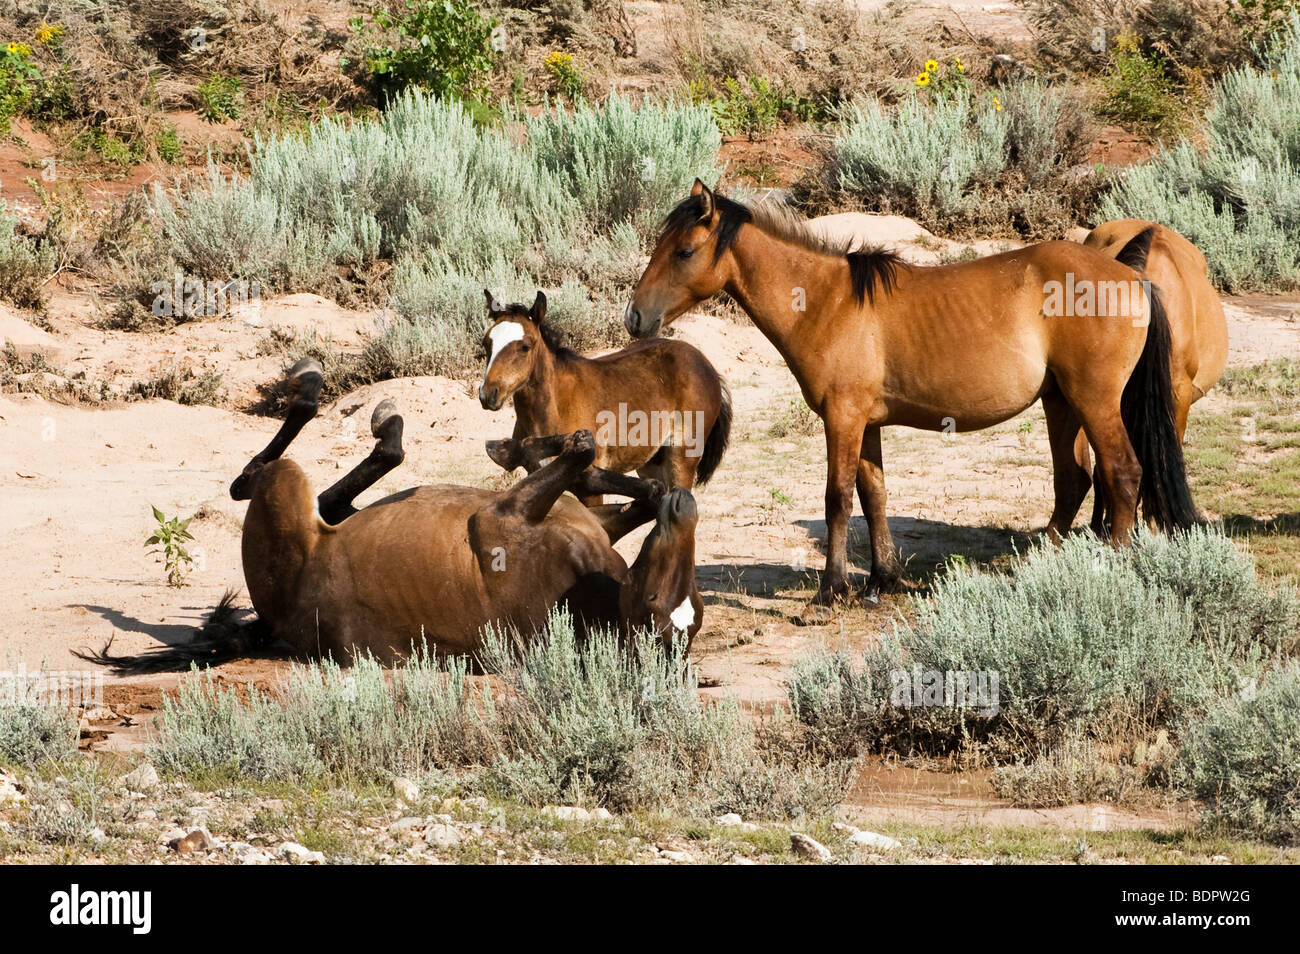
(956, 61)
(923, 79)
(997, 104)
(47, 33)
(932, 66)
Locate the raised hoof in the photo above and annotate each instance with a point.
(384, 410)
(304, 371)
(582, 445)
(505, 453)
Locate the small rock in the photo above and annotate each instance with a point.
(197, 840)
(241, 852)
(298, 854)
(601, 814)
(732, 820)
(148, 815)
(98, 836)
(567, 812)
(407, 828)
(11, 793)
(142, 779)
(442, 837)
(679, 857)
(871, 839)
(405, 789)
(807, 847)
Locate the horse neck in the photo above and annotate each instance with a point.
(536, 405)
(772, 278)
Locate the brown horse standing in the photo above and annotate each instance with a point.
(657, 407)
(1198, 331)
(873, 341)
(442, 562)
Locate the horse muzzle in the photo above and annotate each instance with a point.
(490, 398)
(638, 324)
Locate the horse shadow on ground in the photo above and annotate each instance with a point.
(1282, 525)
(227, 632)
(169, 634)
(924, 547)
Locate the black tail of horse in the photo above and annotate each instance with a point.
(719, 436)
(1147, 408)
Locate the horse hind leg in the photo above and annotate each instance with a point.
(1071, 463)
(335, 504)
(304, 382)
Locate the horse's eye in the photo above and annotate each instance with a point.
(685, 252)
(526, 347)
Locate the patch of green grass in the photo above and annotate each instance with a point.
(1244, 463)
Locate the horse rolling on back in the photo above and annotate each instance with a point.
(874, 341)
(440, 563)
(658, 408)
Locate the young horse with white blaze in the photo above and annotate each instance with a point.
(656, 407)
(874, 341)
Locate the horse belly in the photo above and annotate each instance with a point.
(972, 401)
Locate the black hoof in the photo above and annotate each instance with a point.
(384, 410)
(505, 453)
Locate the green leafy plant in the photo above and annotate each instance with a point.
(168, 540)
(1139, 89)
(444, 46)
(943, 79)
(168, 144)
(18, 79)
(752, 108)
(565, 73)
(220, 98)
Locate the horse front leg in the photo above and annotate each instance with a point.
(886, 572)
(843, 448)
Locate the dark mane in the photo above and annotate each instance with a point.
(869, 268)
(552, 336)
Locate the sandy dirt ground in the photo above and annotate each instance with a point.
(78, 483)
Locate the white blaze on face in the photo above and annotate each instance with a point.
(502, 334)
(683, 618)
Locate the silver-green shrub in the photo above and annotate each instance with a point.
(962, 163)
(25, 263)
(1087, 641)
(604, 721)
(1242, 760)
(1237, 195)
(561, 200)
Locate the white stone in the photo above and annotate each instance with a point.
(567, 812)
(871, 839)
(142, 779)
(300, 855)
(807, 847)
(405, 789)
(442, 837)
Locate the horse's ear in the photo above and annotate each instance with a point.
(706, 200)
(491, 302)
(538, 311)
